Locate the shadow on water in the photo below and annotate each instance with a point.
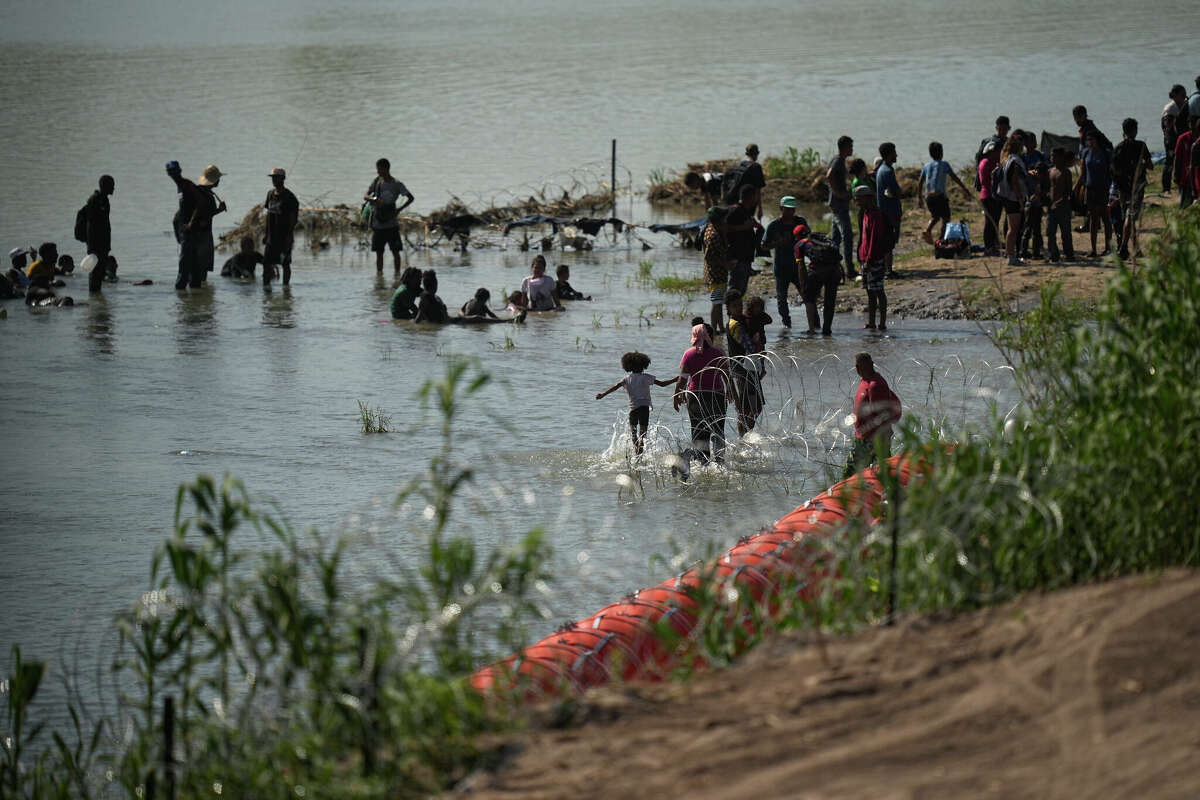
(98, 326)
(196, 314)
(278, 310)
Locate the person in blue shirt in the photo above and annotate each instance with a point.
(887, 198)
(931, 191)
(1095, 176)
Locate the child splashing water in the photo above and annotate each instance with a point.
(637, 385)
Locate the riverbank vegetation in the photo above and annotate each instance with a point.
(254, 665)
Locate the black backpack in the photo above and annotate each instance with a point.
(81, 224)
(732, 180)
(823, 253)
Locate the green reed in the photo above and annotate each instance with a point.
(287, 676)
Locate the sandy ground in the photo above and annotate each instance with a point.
(930, 287)
(1089, 692)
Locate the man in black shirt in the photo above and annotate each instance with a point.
(754, 177)
(283, 210)
(1130, 170)
(99, 231)
(839, 201)
(742, 236)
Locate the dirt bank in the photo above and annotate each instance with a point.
(935, 288)
(1089, 692)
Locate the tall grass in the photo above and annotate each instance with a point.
(286, 676)
(1096, 475)
(792, 164)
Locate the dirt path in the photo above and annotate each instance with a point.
(1089, 692)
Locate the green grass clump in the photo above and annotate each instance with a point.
(289, 676)
(679, 283)
(373, 420)
(792, 164)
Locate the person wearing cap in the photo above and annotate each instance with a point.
(283, 211)
(382, 195)
(780, 236)
(754, 176)
(99, 231)
(196, 248)
(839, 200)
(1174, 112)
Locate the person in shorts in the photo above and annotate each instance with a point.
(1130, 170)
(637, 385)
(382, 195)
(1095, 176)
(931, 191)
(874, 244)
(283, 211)
(1058, 218)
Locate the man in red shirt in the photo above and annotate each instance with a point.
(1183, 160)
(876, 409)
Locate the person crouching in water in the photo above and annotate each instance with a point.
(242, 263)
(637, 385)
(430, 307)
(563, 286)
(873, 246)
(476, 310)
(404, 301)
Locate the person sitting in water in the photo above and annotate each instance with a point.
(65, 266)
(430, 307)
(404, 301)
(241, 264)
(41, 271)
(540, 289)
(565, 291)
(517, 303)
(477, 306)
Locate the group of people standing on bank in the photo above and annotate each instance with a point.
(1028, 199)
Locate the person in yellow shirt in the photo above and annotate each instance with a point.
(41, 272)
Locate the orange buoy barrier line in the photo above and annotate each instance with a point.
(621, 640)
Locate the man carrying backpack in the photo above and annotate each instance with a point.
(97, 232)
(821, 271)
(747, 173)
(742, 232)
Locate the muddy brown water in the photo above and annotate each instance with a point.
(112, 404)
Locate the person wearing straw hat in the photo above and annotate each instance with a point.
(283, 211)
(196, 254)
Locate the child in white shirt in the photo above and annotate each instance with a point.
(637, 384)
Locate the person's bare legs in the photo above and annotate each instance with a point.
(379, 261)
(717, 318)
(1012, 240)
(814, 322)
(882, 311)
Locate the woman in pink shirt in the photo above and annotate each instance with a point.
(993, 207)
(704, 385)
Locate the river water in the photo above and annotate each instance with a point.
(112, 404)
